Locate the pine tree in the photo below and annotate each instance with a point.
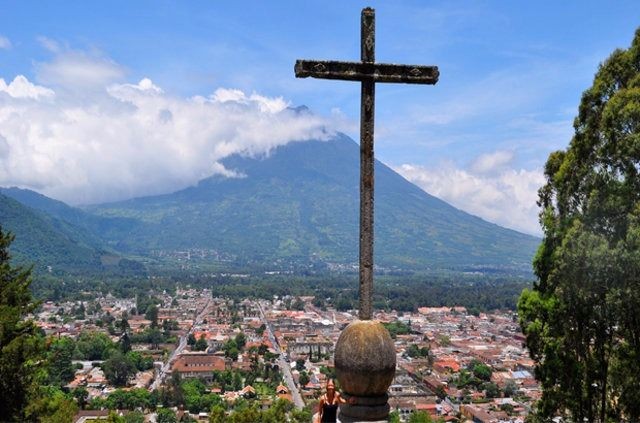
(20, 346)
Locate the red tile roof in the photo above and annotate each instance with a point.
(198, 363)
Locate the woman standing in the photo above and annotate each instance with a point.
(328, 405)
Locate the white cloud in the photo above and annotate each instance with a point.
(492, 162)
(20, 87)
(79, 71)
(223, 95)
(115, 140)
(144, 86)
(267, 105)
(5, 43)
(49, 44)
(506, 197)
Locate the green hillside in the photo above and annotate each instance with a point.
(87, 228)
(300, 204)
(48, 243)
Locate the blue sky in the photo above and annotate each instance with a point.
(511, 78)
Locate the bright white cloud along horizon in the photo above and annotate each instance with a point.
(82, 134)
(499, 194)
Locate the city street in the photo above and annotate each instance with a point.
(284, 365)
(181, 345)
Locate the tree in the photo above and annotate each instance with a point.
(152, 315)
(166, 415)
(277, 412)
(79, 312)
(141, 361)
(201, 344)
(237, 381)
(510, 388)
(394, 417)
(507, 408)
(155, 338)
(581, 317)
(108, 318)
(123, 325)
(114, 417)
(300, 416)
(217, 414)
(420, 417)
(491, 390)
(241, 340)
(397, 328)
(61, 370)
(414, 351)
(129, 399)
(93, 346)
(246, 414)
(440, 392)
(303, 379)
(298, 304)
(343, 303)
(191, 339)
(480, 370)
(134, 417)
(192, 390)
(231, 349)
(125, 343)
(118, 369)
(81, 395)
(51, 405)
(20, 345)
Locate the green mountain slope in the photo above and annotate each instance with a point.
(47, 242)
(301, 204)
(87, 228)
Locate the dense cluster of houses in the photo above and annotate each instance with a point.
(454, 340)
(434, 355)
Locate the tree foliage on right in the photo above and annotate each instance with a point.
(582, 317)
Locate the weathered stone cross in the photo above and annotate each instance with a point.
(368, 72)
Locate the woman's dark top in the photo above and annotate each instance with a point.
(329, 412)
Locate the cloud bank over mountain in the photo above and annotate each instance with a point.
(488, 187)
(82, 134)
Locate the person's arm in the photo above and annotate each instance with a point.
(320, 408)
(352, 400)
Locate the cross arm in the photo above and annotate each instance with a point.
(360, 71)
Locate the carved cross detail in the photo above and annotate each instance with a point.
(368, 72)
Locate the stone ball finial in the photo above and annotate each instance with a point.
(365, 362)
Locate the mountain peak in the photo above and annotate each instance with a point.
(300, 203)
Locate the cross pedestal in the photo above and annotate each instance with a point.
(365, 357)
(365, 362)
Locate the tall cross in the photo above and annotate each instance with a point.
(368, 72)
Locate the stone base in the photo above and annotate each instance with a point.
(364, 409)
